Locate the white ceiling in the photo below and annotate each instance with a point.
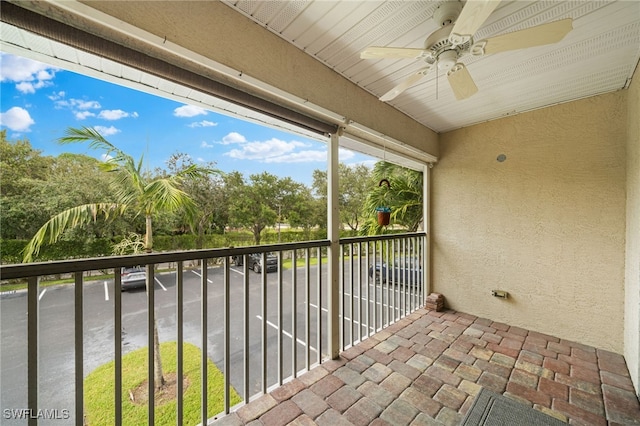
(599, 55)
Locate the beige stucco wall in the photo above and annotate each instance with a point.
(632, 269)
(547, 225)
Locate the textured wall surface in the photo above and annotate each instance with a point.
(632, 269)
(547, 224)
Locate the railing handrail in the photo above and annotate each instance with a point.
(365, 238)
(24, 270)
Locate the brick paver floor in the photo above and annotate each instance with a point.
(427, 369)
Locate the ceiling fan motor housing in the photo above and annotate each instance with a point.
(447, 13)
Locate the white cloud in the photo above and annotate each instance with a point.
(28, 75)
(81, 115)
(299, 157)
(56, 96)
(204, 144)
(115, 114)
(73, 104)
(345, 154)
(30, 87)
(277, 151)
(106, 131)
(189, 111)
(233, 137)
(16, 119)
(203, 123)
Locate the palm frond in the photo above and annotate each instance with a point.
(53, 229)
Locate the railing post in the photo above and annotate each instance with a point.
(333, 233)
(32, 347)
(79, 348)
(426, 221)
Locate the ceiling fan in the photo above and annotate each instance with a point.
(454, 40)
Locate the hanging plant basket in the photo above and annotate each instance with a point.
(384, 215)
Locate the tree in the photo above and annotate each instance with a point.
(209, 195)
(261, 202)
(34, 188)
(19, 161)
(307, 212)
(354, 182)
(133, 191)
(404, 197)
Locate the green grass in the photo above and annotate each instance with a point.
(99, 389)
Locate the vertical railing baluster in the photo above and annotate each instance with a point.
(117, 344)
(204, 367)
(32, 346)
(294, 313)
(79, 348)
(247, 361)
(179, 342)
(359, 284)
(377, 278)
(373, 317)
(319, 307)
(389, 279)
(366, 282)
(279, 314)
(227, 334)
(341, 305)
(412, 281)
(352, 311)
(405, 263)
(390, 292)
(307, 308)
(396, 279)
(263, 330)
(151, 329)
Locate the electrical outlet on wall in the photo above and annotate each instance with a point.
(500, 293)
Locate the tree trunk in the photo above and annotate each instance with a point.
(157, 361)
(257, 229)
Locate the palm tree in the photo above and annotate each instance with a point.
(133, 191)
(403, 196)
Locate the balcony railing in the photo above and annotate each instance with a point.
(260, 329)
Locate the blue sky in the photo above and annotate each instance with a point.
(39, 102)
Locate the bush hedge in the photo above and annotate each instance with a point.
(11, 250)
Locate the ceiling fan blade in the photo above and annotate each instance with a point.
(392, 53)
(473, 15)
(404, 85)
(461, 82)
(539, 35)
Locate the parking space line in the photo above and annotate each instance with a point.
(302, 342)
(158, 281)
(236, 271)
(316, 307)
(106, 292)
(42, 294)
(200, 275)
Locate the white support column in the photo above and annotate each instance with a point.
(333, 234)
(426, 220)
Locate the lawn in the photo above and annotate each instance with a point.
(99, 389)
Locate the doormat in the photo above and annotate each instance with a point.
(492, 409)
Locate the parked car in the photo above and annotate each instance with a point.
(406, 270)
(133, 277)
(254, 260)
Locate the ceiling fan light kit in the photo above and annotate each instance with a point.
(445, 47)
